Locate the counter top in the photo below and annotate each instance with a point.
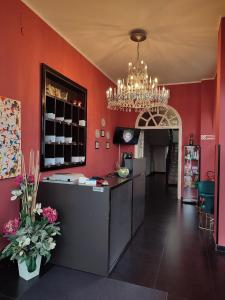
(116, 180)
(113, 181)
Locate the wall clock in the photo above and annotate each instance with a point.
(103, 122)
(128, 134)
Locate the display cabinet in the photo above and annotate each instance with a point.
(191, 173)
(64, 121)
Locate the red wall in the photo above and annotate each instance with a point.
(207, 110)
(186, 99)
(219, 122)
(21, 54)
(26, 42)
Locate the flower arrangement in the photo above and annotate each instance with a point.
(33, 233)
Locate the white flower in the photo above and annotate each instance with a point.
(21, 253)
(23, 241)
(52, 245)
(16, 194)
(26, 242)
(37, 209)
(29, 198)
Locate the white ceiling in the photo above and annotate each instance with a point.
(182, 34)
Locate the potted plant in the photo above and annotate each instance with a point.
(32, 235)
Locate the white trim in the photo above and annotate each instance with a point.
(189, 82)
(179, 127)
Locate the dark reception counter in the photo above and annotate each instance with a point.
(97, 223)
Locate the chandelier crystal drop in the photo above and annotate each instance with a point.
(138, 91)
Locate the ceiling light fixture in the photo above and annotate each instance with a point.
(138, 91)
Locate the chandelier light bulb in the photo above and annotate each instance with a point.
(137, 92)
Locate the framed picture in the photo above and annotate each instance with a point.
(97, 145)
(10, 137)
(102, 133)
(107, 145)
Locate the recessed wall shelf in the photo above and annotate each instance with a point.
(64, 121)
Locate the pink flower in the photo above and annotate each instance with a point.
(11, 226)
(19, 179)
(50, 214)
(31, 178)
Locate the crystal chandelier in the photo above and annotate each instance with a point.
(138, 91)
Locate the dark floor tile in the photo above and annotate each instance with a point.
(146, 279)
(2, 297)
(151, 247)
(11, 285)
(186, 288)
(168, 252)
(189, 268)
(176, 298)
(18, 287)
(137, 269)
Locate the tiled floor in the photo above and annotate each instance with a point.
(168, 253)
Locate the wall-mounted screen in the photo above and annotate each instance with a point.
(127, 136)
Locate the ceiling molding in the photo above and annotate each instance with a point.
(188, 82)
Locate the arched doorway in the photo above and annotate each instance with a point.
(160, 117)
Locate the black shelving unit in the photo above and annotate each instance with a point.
(191, 173)
(64, 121)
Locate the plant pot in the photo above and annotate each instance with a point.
(23, 272)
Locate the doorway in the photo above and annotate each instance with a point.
(160, 117)
(161, 153)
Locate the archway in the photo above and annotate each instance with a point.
(160, 117)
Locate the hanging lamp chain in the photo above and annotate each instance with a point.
(138, 51)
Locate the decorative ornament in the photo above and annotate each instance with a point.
(138, 91)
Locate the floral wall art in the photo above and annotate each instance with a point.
(10, 137)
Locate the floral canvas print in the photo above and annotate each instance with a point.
(10, 138)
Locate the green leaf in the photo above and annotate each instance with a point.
(31, 264)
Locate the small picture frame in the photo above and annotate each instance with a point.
(97, 133)
(97, 145)
(107, 145)
(107, 135)
(102, 132)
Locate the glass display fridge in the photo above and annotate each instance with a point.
(191, 173)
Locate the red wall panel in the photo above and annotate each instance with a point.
(186, 99)
(207, 109)
(26, 42)
(219, 122)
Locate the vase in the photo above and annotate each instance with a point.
(123, 172)
(23, 272)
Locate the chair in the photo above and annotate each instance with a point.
(206, 209)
